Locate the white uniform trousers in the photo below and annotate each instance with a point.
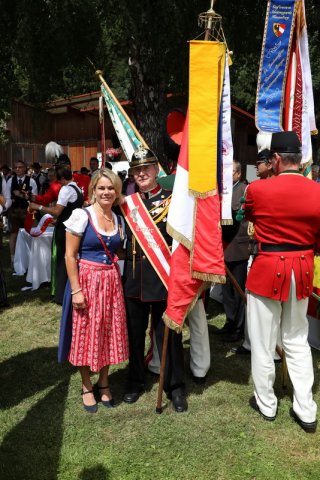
(199, 344)
(246, 342)
(265, 317)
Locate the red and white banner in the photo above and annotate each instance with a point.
(299, 103)
(42, 226)
(197, 253)
(148, 236)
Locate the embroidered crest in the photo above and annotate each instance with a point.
(134, 213)
(279, 28)
(140, 154)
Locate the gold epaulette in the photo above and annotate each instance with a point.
(250, 229)
(164, 212)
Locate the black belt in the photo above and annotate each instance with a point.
(284, 247)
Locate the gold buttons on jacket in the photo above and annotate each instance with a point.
(307, 273)
(278, 274)
(302, 257)
(275, 290)
(143, 257)
(282, 257)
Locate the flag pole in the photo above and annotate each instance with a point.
(99, 74)
(211, 19)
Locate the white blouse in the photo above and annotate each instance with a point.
(78, 221)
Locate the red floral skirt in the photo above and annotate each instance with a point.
(99, 332)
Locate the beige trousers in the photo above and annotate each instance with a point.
(199, 343)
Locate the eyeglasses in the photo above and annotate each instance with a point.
(261, 161)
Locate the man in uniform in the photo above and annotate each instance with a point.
(264, 165)
(264, 171)
(285, 211)
(145, 292)
(20, 186)
(236, 254)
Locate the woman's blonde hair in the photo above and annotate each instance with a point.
(114, 179)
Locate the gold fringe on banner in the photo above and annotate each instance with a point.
(179, 237)
(203, 195)
(208, 277)
(171, 323)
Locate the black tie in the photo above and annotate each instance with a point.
(19, 182)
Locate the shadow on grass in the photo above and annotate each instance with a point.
(26, 374)
(16, 297)
(225, 367)
(98, 472)
(31, 450)
(118, 382)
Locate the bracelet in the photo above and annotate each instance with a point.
(40, 208)
(76, 291)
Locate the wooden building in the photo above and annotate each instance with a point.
(74, 124)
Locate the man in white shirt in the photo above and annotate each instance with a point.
(69, 198)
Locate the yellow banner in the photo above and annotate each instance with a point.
(206, 74)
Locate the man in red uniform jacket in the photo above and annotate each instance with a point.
(286, 214)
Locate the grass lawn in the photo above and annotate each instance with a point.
(46, 435)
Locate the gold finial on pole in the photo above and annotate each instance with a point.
(212, 22)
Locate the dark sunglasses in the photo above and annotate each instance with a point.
(261, 161)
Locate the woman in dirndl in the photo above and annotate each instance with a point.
(99, 332)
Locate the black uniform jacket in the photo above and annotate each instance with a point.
(143, 282)
(235, 237)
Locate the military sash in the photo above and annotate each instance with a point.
(274, 63)
(148, 236)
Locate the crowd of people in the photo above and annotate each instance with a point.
(268, 252)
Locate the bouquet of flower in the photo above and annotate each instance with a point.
(113, 153)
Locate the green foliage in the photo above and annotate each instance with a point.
(141, 46)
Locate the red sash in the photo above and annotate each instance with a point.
(148, 236)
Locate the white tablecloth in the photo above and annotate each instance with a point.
(33, 255)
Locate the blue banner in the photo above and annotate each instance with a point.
(273, 65)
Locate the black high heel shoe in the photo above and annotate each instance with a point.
(105, 403)
(89, 408)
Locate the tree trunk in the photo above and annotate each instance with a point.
(149, 98)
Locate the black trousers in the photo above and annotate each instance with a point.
(233, 304)
(137, 319)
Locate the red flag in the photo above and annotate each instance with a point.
(197, 254)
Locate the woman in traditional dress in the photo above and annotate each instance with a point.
(99, 332)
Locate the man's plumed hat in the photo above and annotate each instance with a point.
(52, 151)
(285, 142)
(143, 156)
(264, 156)
(54, 154)
(63, 159)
